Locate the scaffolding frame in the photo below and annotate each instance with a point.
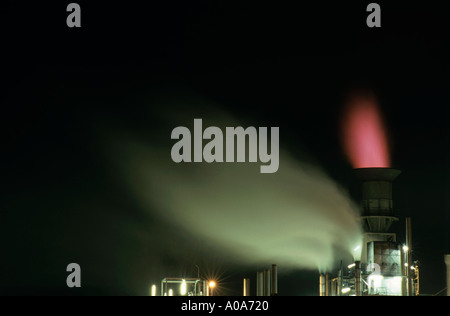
(199, 285)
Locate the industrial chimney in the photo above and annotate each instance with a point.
(377, 209)
(380, 268)
(381, 255)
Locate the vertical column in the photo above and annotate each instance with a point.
(409, 289)
(274, 281)
(322, 285)
(266, 282)
(357, 278)
(246, 291)
(447, 262)
(259, 283)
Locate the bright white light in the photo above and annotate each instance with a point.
(345, 290)
(405, 248)
(153, 290)
(393, 285)
(351, 265)
(357, 248)
(170, 292)
(183, 290)
(374, 281)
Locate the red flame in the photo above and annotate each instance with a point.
(364, 135)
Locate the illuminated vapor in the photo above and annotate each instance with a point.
(297, 217)
(363, 133)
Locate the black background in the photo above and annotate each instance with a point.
(276, 63)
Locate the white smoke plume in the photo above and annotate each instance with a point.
(297, 217)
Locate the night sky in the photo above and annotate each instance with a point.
(64, 90)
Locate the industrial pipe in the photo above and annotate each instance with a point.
(447, 262)
(322, 285)
(259, 283)
(266, 282)
(409, 289)
(246, 290)
(357, 278)
(274, 281)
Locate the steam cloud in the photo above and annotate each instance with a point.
(296, 217)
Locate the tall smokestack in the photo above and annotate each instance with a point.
(377, 207)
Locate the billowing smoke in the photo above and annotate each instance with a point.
(297, 217)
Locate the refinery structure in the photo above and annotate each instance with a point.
(382, 264)
(385, 266)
